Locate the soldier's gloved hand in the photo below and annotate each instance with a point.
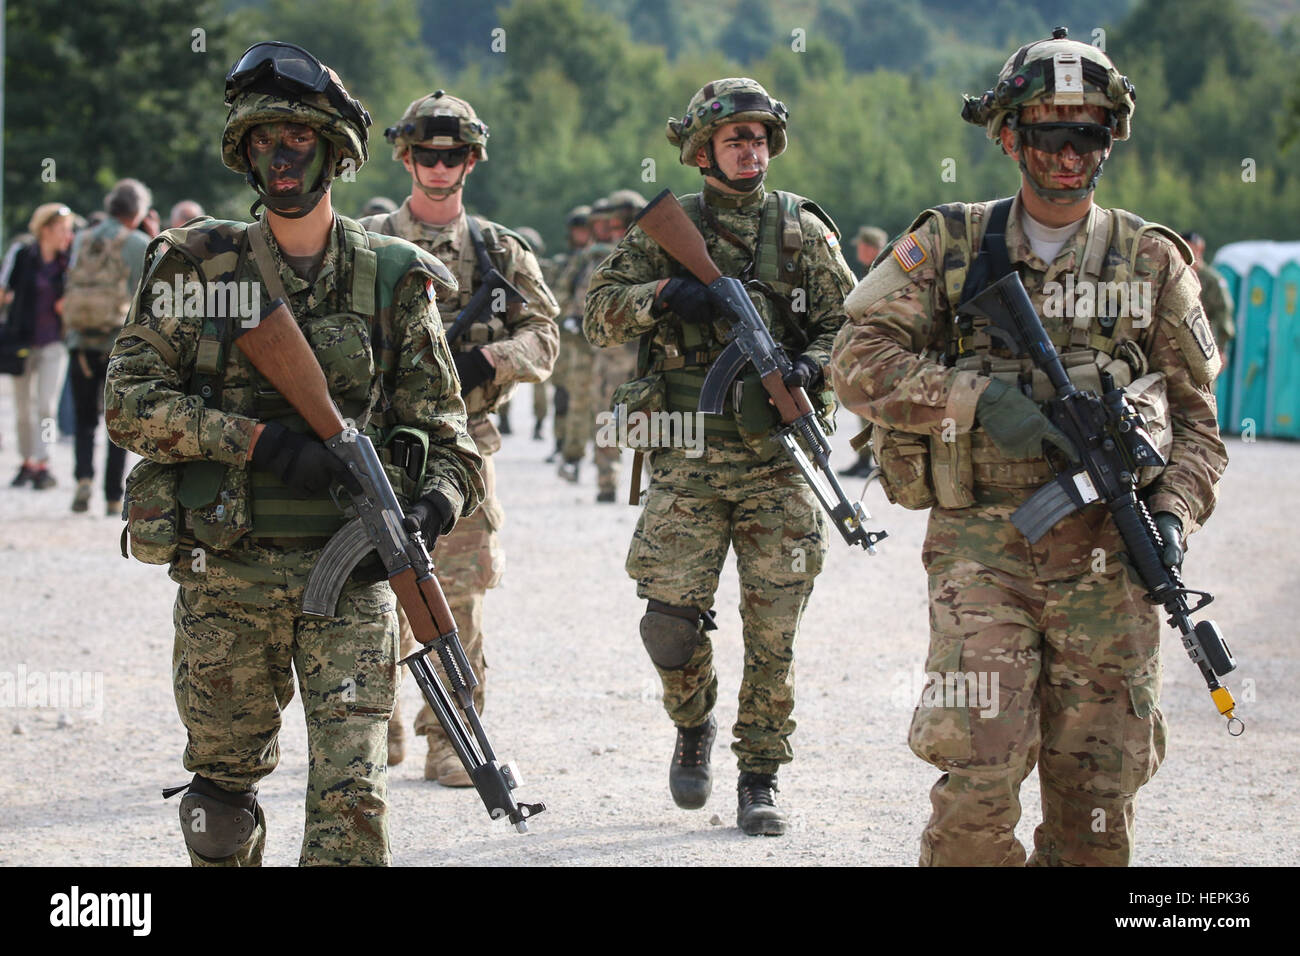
(1016, 424)
(302, 462)
(431, 516)
(1171, 529)
(473, 368)
(687, 298)
(804, 373)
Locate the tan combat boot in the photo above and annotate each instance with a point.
(396, 736)
(443, 765)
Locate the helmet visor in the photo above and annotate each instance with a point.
(1054, 137)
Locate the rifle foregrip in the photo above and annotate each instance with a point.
(1131, 520)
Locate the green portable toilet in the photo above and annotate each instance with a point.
(1284, 376)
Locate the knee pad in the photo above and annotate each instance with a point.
(671, 634)
(216, 822)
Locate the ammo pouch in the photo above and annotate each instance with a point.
(153, 521)
(641, 396)
(216, 499)
(904, 461)
(405, 455)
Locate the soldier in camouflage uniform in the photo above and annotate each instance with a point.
(238, 495)
(1061, 624)
(1216, 300)
(440, 140)
(580, 371)
(738, 490)
(549, 274)
(610, 367)
(578, 225)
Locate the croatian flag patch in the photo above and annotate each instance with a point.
(908, 253)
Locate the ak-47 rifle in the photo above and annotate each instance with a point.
(279, 351)
(1112, 441)
(494, 291)
(664, 221)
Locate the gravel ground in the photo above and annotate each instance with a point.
(573, 699)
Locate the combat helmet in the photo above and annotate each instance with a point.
(439, 121)
(1056, 72)
(275, 82)
(730, 100)
(578, 216)
(623, 201)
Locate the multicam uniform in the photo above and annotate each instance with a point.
(741, 492)
(523, 343)
(248, 545)
(1216, 300)
(1061, 623)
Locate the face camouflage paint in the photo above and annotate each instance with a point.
(289, 158)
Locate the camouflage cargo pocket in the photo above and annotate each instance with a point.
(152, 512)
(641, 396)
(217, 500)
(904, 461)
(941, 735)
(1144, 728)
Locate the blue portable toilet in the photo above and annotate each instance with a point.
(1223, 384)
(1284, 376)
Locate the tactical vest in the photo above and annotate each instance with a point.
(352, 337)
(1103, 340)
(772, 278)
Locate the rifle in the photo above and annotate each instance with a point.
(491, 284)
(1113, 443)
(279, 351)
(664, 221)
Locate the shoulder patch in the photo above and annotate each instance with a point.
(908, 253)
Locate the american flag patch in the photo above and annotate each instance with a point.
(908, 253)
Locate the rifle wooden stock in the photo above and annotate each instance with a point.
(425, 605)
(665, 221)
(278, 349)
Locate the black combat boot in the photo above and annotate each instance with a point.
(689, 778)
(758, 812)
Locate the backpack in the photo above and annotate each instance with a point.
(95, 297)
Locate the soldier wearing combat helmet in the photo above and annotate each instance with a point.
(737, 490)
(440, 140)
(238, 495)
(959, 429)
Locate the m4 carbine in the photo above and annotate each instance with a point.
(278, 349)
(1111, 439)
(664, 221)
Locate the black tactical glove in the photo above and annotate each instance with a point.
(302, 462)
(1016, 424)
(431, 515)
(804, 373)
(1171, 529)
(686, 298)
(473, 368)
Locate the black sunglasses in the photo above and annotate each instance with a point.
(1054, 137)
(292, 67)
(451, 158)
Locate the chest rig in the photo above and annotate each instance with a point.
(1100, 322)
(350, 330)
(774, 271)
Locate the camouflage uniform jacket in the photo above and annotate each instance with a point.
(620, 299)
(148, 408)
(887, 366)
(1216, 300)
(524, 344)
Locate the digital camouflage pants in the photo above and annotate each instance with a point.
(233, 673)
(696, 509)
(1076, 658)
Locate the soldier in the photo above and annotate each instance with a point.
(1216, 300)
(580, 373)
(867, 245)
(1060, 625)
(610, 367)
(183, 212)
(258, 491)
(549, 275)
(738, 489)
(578, 226)
(440, 140)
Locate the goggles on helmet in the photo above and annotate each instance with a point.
(424, 128)
(273, 65)
(1054, 137)
(429, 156)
